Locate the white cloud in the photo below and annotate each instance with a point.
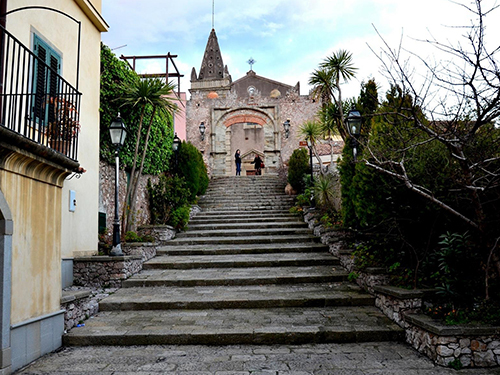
(287, 38)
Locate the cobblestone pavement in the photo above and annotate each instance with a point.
(323, 359)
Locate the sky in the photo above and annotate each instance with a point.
(288, 39)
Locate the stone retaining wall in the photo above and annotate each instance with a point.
(107, 195)
(78, 306)
(161, 233)
(105, 271)
(459, 345)
(145, 250)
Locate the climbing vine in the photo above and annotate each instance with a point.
(114, 73)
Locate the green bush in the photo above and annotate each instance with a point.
(168, 195)
(180, 217)
(114, 73)
(192, 168)
(298, 167)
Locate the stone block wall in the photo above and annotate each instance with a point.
(105, 271)
(145, 251)
(107, 195)
(161, 233)
(458, 345)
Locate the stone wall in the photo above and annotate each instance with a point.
(146, 250)
(107, 195)
(217, 112)
(161, 233)
(462, 346)
(105, 271)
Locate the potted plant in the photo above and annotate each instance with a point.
(63, 125)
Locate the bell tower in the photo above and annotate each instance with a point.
(214, 76)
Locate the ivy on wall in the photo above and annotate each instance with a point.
(115, 72)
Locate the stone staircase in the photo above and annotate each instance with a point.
(245, 272)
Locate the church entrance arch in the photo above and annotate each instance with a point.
(250, 131)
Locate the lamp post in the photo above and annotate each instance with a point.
(202, 128)
(310, 145)
(353, 120)
(118, 133)
(286, 126)
(175, 146)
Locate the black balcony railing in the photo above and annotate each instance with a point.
(35, 101)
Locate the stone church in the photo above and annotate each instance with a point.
(247, 114)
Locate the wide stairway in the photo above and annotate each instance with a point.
(245, 272)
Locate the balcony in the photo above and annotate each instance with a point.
(39, 109)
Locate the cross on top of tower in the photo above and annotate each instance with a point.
(251, 61)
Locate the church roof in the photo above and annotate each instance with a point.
(212, 66)
(265, 86)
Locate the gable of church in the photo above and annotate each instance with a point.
(253, 84)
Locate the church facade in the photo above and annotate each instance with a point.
(247, 114)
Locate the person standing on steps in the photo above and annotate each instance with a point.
(237, 160)
(258, 164)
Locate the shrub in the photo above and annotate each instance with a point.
(169, 194)
(180, 217)
(192, 168)
(326, 191)
(298, 167)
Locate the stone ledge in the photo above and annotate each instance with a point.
(401, 293)
(436, 327)
(106, 258)
(71, 296)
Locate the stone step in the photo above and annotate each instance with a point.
(258, 201)
(258, 239)
(243, 232)
(214, 214)
(261, 206)
(236, 297)
(221, 249)
(236, 276)
(223, 219)
(241, 261)
(247, 225)
(236, 327)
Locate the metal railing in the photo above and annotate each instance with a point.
(35, 101)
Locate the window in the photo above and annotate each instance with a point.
(45, 82)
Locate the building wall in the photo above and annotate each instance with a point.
(217, 147)
(37, 191)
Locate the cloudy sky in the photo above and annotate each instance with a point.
(286, 38)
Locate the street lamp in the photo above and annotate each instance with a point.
(202, 128)
(353, 120)
(175, 146)
(118, 133)
(310, 145)
(286, 126)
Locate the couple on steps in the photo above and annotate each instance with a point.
(259, 164)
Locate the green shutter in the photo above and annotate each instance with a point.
(45, 82)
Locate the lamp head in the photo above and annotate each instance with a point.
(118, 131)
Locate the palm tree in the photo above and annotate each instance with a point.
(311, 130)
(326, 81)
(156, 94)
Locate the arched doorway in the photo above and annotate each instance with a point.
(6, 229)
(249, 130)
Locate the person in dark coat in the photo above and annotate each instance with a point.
(237, 160)
(258, 164)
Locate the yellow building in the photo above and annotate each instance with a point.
(49, 134)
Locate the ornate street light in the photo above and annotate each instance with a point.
(118, 133)
(202, 128)
(286, 126)
(310, 146)
(175, 146)
(353, 120)
(176, 143)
